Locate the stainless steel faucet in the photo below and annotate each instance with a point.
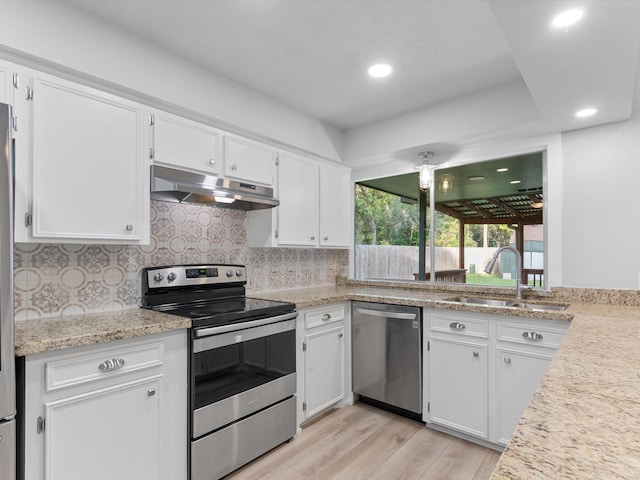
(492, 263)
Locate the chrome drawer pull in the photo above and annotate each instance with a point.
(457, 326)
(325, 317)
(111, 364)
(507, 360)
(532, 336)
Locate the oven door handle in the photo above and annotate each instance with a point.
(205, 332)
(230, 338)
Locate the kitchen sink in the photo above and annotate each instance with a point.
(494, 302)
(489, 302)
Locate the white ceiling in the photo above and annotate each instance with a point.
(313, 54)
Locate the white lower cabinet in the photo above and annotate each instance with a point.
(459, 386)
(114, 410)
(323, 366)
(324, 369)
(518, 376)
(482, 371)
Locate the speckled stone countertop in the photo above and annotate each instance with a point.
(582, 423)
(47, 334)
(584, 420)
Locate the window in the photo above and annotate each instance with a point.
(479, 208)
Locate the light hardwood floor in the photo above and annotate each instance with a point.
(363, 442)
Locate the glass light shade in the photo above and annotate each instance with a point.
(426, 176)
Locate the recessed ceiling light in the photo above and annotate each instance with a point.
(477, 178)
(586, 112)
(515, 182)
(380, 70)
(567, 18)
(502, 170)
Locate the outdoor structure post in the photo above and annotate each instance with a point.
(461, 244)
(520, 247)
(422, 237)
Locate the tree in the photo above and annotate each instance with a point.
(382, 219)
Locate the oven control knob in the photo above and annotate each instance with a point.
(229, 273)
(171, 277)
(158, 277)
(238, 273)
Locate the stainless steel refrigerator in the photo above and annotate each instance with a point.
(7, 358)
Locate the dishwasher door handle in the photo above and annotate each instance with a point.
(381, 313)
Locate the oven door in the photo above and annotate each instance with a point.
(239, 372)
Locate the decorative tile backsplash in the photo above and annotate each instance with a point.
(52, 280)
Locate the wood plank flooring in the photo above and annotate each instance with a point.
(362, 442)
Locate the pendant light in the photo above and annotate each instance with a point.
(425, 170)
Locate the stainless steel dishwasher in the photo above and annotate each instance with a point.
(387, 356)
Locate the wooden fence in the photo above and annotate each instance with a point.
(400, 262)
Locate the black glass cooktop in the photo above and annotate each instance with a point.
(231, 310)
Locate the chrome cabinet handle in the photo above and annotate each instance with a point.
(234, 167)
(212, 162)
(151, 392)
(111, 364)
(476, 354)
(457, 326)
(325, 317)
(129, 228)
(313, 237)
(507, 360)
(326, 238)
(340, 335)
(532, 336)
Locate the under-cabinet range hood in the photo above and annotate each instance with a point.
(172, 185)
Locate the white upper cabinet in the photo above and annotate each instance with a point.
(298, 195)
(248, 160)
(178, 142)
(335, 207)
(315, 207)
(87, 178)
(6, 84)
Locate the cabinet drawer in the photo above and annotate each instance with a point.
(530, 334)
(78, 369)
(463, 326)
(325, 315)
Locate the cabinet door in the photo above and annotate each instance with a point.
(180, 142)
(458, 385)
(324, 369)
(247, 160)
(519, 374)
(335, 207)
(89, 178)
(6, 84)
(105, 434)
(298, 195)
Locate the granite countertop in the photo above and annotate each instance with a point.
(584, 420)
(582, 423)
(47, 334)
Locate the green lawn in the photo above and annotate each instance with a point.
(484, 279)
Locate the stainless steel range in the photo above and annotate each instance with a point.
(242, 367)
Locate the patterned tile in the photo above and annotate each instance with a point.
(51, 280)
(94, 259)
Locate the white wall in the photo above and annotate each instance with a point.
(50, 30)
(601, 205)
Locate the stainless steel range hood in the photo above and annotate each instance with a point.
(172, 185)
